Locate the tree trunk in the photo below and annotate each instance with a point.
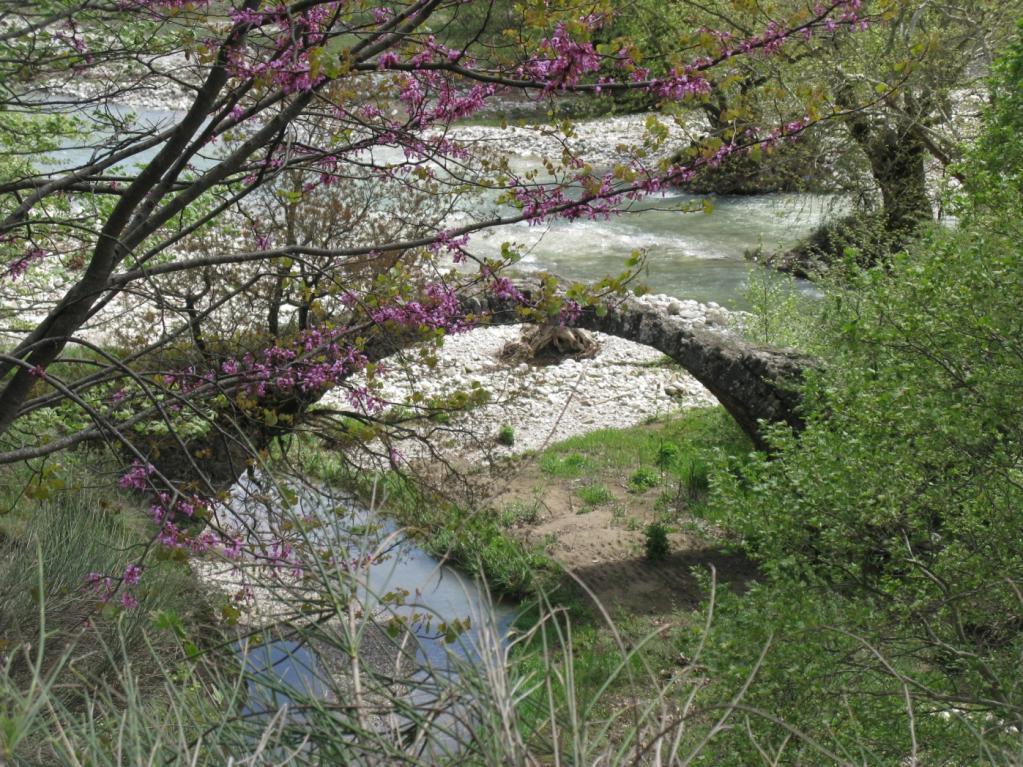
(897, 158)
(897, 162)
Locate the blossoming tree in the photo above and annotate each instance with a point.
(306, 170)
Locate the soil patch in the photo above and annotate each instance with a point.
(593, 525)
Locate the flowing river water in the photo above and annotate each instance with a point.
(692, 255)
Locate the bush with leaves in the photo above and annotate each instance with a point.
(889, 529)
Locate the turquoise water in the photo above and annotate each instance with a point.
(692, 255)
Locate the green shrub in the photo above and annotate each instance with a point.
(506, 436)
(820, 675)
(778, 313)
(595, 495)
(667, 454)
(696, 477)
(889, 528)
(908, 474)
(643, 479)
(656, 544)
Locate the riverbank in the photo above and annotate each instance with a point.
(552, 469)
(580, 512)
(564, 532)
(598, 501)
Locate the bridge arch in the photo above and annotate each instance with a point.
(756, 384)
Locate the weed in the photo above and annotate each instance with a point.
(595, 495)
(48, 549)
(520, 512)
(664, 361)
(696, 477)
(506, 436)
(643, 479)
(567, 467)
(667, 455)
(666, 502)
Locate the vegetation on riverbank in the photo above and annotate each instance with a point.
(61, 526)
(887, 624)
(484, 527)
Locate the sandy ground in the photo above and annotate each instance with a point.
(603, 546)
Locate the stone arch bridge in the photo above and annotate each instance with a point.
(756, 384)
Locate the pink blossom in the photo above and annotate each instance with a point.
(102, 585)
(137, 477)
(128, 601)
(504, 289)
(570, 312)
(17, 268)
(233, 549)
(132, 574)
(387, 60)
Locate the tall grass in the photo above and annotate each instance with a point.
(66, 537)
(387, 680)
(58, 638)
(499, 701)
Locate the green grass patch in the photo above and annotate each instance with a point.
(677, 454)
(55, 533)
(595, 495)
(666, 442)
(569, 466)
(643, 478)
(589, 671)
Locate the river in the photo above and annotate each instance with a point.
(694, 255)
(310, 665)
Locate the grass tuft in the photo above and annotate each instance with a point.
(595, 495)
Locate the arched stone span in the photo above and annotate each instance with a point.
(754, 383)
